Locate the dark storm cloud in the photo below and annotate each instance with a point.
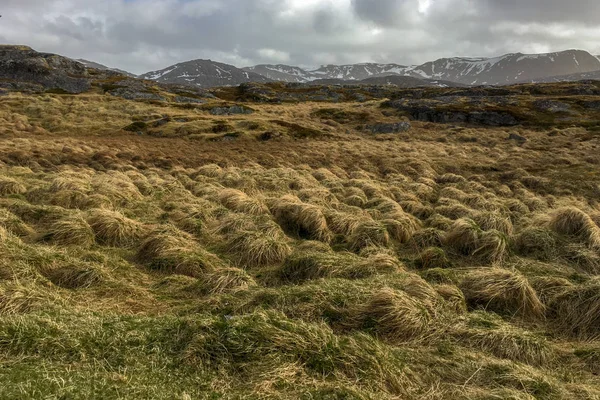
(142, 35)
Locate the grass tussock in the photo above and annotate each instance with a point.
(394, 316)
(268, 339)
(576, 309)
(502, 291)
(466, 237)
(224, 280)
(70, 231)
(9, 186)
(310, 264)
(537, 242)
(112, 228)
(258, 248)
(507, 342)
(74, 276)
(303, 220)
(171, 250)
(453, 297)
(369, 233)
(433, 257)
(239, 201)
(16, 299)
(401, 227)
(14, 225)
(574, 222)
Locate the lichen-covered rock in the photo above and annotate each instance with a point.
(52, 72)
(395, 127)
(188, 100)
(133, 94)
(233, 110)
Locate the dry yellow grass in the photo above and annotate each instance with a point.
(262, 264)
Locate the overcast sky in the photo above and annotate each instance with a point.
(145, 35)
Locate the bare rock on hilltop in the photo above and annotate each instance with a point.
(49, 71)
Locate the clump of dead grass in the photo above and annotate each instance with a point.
(114, 229)
(503, 291)
(300, 219)
(369, 233)
(258, 248)
(309, 264)
(466, 237)
(575, 309)
(507, 342)
(433, 257)
(14, 224)
(9, 186)
(224, 280)
(393, 315)
(237, 200)
(72, 230)
(73, 276)
(169, 249)
(453, 297)
(572, 221)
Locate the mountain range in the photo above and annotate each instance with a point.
(507, 69)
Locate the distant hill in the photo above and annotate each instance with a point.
(203, 74)
(92, 64)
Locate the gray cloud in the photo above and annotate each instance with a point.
(143, 35)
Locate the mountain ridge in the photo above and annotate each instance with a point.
(473, 71)
(203, 73)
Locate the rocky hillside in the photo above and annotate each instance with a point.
(95, 65)
(204, 73)
(24, 67)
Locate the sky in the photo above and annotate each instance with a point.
(147, 35)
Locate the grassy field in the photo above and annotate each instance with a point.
(150, 250)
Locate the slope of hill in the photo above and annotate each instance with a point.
(323, 248)
(595, 75)
(204, 73)
(95, 65)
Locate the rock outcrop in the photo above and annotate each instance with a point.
(46, 72)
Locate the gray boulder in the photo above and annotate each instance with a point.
(517, 138)
(134, 94)
(396, 127)
(188, 100)
(233, 110)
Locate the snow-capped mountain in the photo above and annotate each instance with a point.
(507, 69)
(204, 73)
(503, 70)
(358, 71)
(91, 64)
(352, 72)
(281, 72)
